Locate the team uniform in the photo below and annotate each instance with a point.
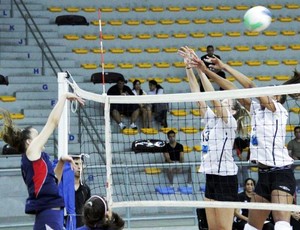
(267, 147)
(218, 163)
(44, 200)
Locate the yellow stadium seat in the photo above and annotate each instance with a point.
(130, 131)
(72, 9)
(166, 21)
(234, 20)
(183, 21)
(149, 22)
(162, 64)
(142, 80)
(149, 131)
(275, 6)
(157, 79)
(179, 64)
(144, 65)
(224, 8)
(152, 170)
(260, 47)
(251, 33)
(297, 18)
(270, 33)
(272, 62)
(278, 47)
(253, 62)
(288, 32)
(233, 33)
(89, 9)
(217, 20)
(125, 36)
(295, 46)
(162, 36)
(5, 98)
(157, 9)
(200, 21)
(263, 78)
(189, 130)
(71, 37)
(90, 37)
(241, 7)
(134, 50)
(116, 50)
(89, 66)
(170, 49)
(224, 48)
(180, 35)
(290, 128)
(17, 116)
(216, 34)
(207, 8)
(173, 79)
(235, 63)
(201, 48)
(98, 50)
(109, 65)
(197, 148)
(126, 65)
(190, 8)
(132, 22)
(242, 48)
(197, 34)
(295, 110)
(143, 36)
(80, 50)
(96, 23)
(140, 9)
(106, 9)
(115, 22)
(292, 6)
(282, 77)
(187, 149)
(179, 113)
(290, 62)
(123, 9)
(186, 79)
(173, 8)
(273, 19)
(108, 37)
(195, 112)
(254, 169)
(285, 19)
(166, 130)
(152, 50)
(55, 9)
(230, 78)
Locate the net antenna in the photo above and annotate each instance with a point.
(101, 50)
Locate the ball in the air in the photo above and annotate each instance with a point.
(257, 18)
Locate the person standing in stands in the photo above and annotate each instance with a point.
(39, 176)
(132, 110)
(294, 145)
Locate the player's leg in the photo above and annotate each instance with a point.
(224, 218)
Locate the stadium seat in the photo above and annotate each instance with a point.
(282, 77)
(197, 148)
(152, 170)
(224, 48)
(185, 190)
(251, 33)
(290, 128)
(179, 64)
(116, 50)
(294, 46)
(5, 98)
(166, 21)
(288, 32)
(142, 80)
(143, 36)
(173, 8)
(190, 8)
(197, 34)
(108, 37)
(123, 9)
(149, 22)
(278, 47)
(242, 48)
(96, 23)
(271, 62)
(72, 9)
(230, 78)
(234, 20)
(134, 50)
(150, 131)
(173, 79)
(290, 62)
(98, 50)
(125, 36)
(18, 116)
(275, 6)
(180, 35)
(132, 22)
(216, 34)
(200, 21)
(297, 19)
(140, 9)
(90, 37)
(285, 19)
(253, 62)
(233, 33)
(292, 6)
(217, 20)
(295, 110)
(207, 8)
(270, 33)
(235, 63)
(189, 130)
(165, 190)
(170, 49)
(106, 9)
(55, 9)
(241, 7)
(179, 113)
(166, 130)
(196, 112)
(263, 78)
(80, 50)
(144, 65)
(224, 8)
(89, 9)
(187, 149)
(161, 36)
(130, 131)
(126, 65)
(89, 66)
(157, 9)
(157, 79)
(115, 22)
(162, 64)
(72, 37)
(152, 50)
(260, 47)
(183, 21)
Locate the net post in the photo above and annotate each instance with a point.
(63, 123)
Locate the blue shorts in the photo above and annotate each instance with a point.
(52, 218)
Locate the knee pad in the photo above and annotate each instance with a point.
(282, 225)
(249, 227)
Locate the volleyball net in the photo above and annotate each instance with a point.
(128, 165)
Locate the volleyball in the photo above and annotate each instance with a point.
(257, 18)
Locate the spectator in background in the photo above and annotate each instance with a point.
(96, 217)
(116, 110)
(160, 109)
(82, 190)
(294, 145)
(145, 109)
(209, 54)
(173, 153)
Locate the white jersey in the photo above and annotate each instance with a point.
(270, 131)
(220, 138)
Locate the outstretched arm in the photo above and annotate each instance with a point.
(36, 145)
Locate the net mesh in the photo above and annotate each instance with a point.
(138, 174)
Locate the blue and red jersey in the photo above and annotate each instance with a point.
(41, 183)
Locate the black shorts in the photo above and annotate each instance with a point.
(275, 179)
(125, 109)
(221, 188)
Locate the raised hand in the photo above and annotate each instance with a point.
(216, 63)
(74, 97)
(187, 54)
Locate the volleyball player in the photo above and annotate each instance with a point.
(217, 141)
(39, 176)
(276, 182)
